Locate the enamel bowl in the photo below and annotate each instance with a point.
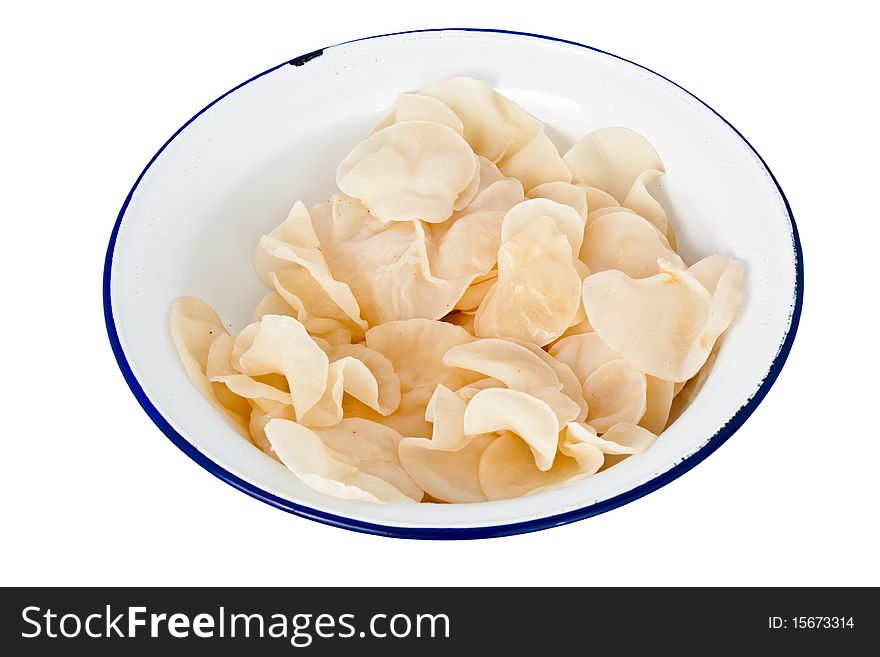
(191, 223)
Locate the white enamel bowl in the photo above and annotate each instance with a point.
(193, 218)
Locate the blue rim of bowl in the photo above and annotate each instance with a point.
(659, 481)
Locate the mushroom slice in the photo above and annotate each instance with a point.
(419, 107)
(467, 392)
(601, 212)
(513, 364)
(621, 438)
(574, 196)
(615, 392)
(507, 468)
(709, 270)
(625, 242)
(296, 230)
(567, 220)
(374, 449)
(311, 304)
(447, 464)
(584, 353)
(535, 298)
(689, 389)
(537, 163)
(375, 385)
(387, 397)
(640, 200)
(500, 409)
(493, 124)
(219, 370)
(309, 284)
(257, 427)
(273, 304)
(407, 420)
(410, 170)
(416, 348)
(404, 270)
(658, 397)
(667, 324)
(278, 344)
(450, 476)
(194, 328)
(611, 159)
(467, 195)
(571, 386)
(463, 319)
(597, 199)
(326, 470)
(476, 292)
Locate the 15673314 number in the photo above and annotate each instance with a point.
(811, 623)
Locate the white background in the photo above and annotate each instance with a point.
(93, 493)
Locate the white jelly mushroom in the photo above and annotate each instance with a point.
(219, 370)
(416, 348)
(537, 163)
(418, 107)
(535, 298)
(640, 200)
(407, 420)
(493, 124)
(620, 438)
(374, 448)
(514, 365)
(611, 159)
(272, 304)
(508, 470)
(568, 194)
(626, 242)
(567, 220)
(447, 464)
(584, 353)
(658, 398)
(194, 328)
(280, 345)
(450, 476)
(326, 470)
(597, 199)
(409, 170)
(500, 409)
(571, 386)
(615, 393)
(289, 259)
(667, 324)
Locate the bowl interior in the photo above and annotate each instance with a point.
(195, 218)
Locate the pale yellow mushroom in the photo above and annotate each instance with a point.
(566, 193)
(446, 466)
(584, 353)
(625, 242)
(280, 345)
(567, 220)
(620, 438)
(500, 409)
(615, 392)
(667, 324)
(658, 398)
(508, 470)
(611, 159)
(194, 328)
(410, 170)
(536, 297)
(326, 470)
(640, 200)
